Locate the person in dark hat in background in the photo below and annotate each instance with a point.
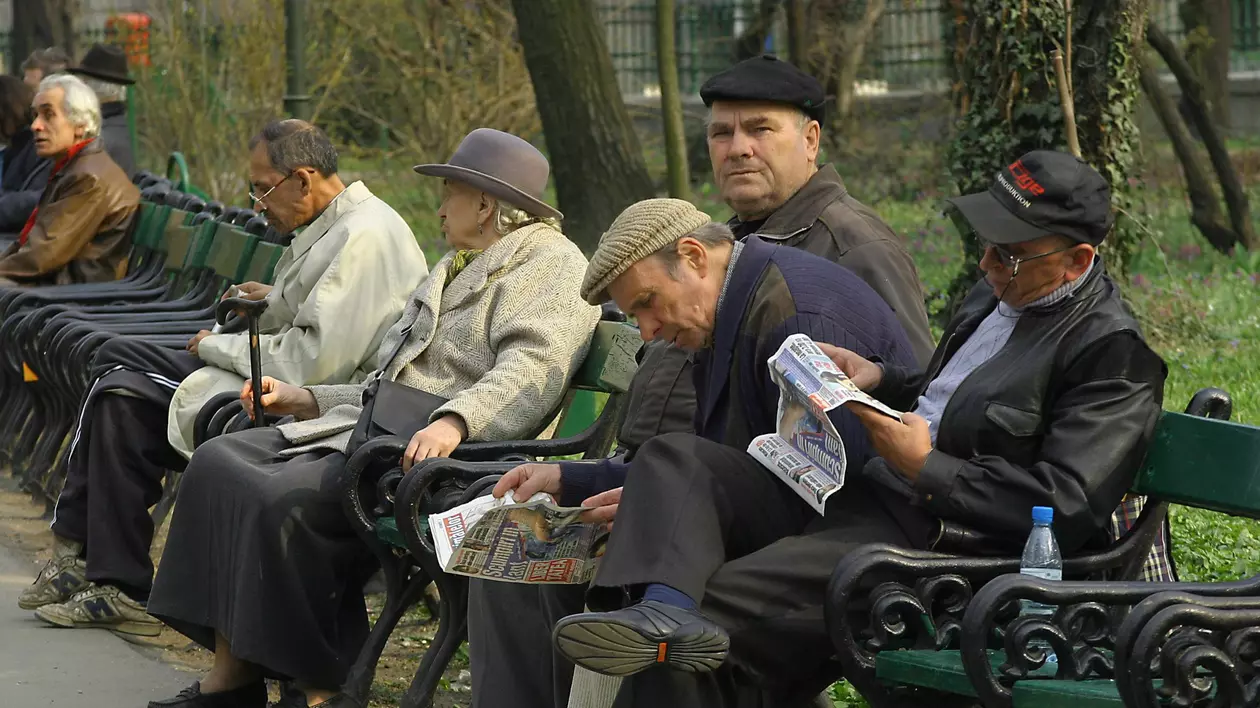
(104, 70)
(1043, 393)
(764, 127)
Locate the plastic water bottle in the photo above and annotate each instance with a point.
(1042, 560)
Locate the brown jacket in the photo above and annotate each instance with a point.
(82, 233)
(824, 219)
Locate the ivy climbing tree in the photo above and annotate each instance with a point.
(1007, 101)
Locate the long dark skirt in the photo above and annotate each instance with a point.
(261, 551)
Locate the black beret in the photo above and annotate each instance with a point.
(767, 78)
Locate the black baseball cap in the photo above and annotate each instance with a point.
(1043, 193)
(767, 78)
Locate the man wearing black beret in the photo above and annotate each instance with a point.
(765, 120)
(764, 127)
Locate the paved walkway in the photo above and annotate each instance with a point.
(46, 666)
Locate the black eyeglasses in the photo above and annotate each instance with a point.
(258, 200)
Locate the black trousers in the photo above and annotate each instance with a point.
(709, 520)
(117, 461)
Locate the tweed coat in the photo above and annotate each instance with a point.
(500, 342)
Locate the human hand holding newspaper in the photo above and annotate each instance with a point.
(806, 451)
(534, 541)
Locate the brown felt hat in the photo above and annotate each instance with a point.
(501, 165)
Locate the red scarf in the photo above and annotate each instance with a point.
(57, 167)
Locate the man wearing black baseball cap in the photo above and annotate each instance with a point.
(1042, 393)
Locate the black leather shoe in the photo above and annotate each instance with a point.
(253, 695)
(651, 633)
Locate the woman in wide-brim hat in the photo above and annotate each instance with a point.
(261, 563)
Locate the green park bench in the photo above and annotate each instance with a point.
(926, 640)
(390, 510)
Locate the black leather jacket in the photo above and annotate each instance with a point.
(1061, 416)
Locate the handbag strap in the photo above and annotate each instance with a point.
(380, 370)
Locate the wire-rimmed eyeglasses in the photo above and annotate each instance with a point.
(258, 200)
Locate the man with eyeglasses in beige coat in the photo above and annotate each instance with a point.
(341, 283)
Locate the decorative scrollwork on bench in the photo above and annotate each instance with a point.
(926, 616)
(1081, 636)
(1200, 655)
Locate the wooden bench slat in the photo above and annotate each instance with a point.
(610, 364)
(387, 531)
(937, 670)
(1204, 463)
(1098, 693)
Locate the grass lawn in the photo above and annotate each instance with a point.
(1200, 310)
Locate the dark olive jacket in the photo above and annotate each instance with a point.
(824, 219)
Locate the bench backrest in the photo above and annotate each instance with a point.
(1204, 463)
(610, 363)
(231, 253)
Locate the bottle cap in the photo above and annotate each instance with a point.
(1043, 514)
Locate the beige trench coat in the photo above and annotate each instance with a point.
(339, 286)
(501, 342)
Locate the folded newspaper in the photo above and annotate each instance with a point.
(806, 451)
(534, 541)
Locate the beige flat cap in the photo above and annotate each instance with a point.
(642, 229)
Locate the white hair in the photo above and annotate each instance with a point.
(508, 218)
(79, 103)
(106, 92)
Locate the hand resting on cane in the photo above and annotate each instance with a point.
(280, 398)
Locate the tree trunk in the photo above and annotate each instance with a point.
(798, 31)
(38, 24)
(1192, 93)
(752, 41)
(1210, 35)
(1205, 210)
(595, 154)
(834, 50)
(1007, 103)
(671, 102)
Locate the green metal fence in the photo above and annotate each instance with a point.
(906, 51)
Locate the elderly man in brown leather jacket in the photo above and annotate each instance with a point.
(80, 230)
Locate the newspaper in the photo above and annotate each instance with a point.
(535, 541)
(806, 451)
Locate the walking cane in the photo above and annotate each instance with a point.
(252, 310)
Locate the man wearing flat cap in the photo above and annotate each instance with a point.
(694, 499)
(1043, 393)
(765, 118)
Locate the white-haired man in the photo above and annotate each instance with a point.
(104, 70)
(79, 231)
